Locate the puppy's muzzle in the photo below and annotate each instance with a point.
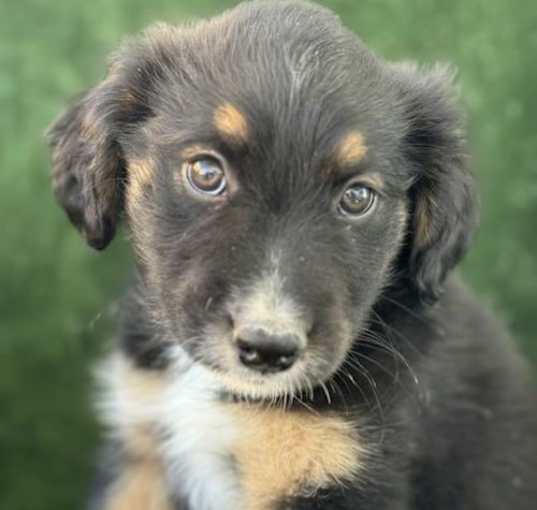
(265, 352)
(270, 328)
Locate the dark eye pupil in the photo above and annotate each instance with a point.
(207, 176)
(357, 199)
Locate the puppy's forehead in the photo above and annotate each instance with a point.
(232, 125)
(284, 78)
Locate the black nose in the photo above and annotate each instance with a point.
(267, 353)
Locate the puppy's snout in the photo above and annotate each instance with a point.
(265, 352)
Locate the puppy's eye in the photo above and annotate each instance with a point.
(357, 200)
(206, 175)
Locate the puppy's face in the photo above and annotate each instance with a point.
(276, 179)
(263, 245)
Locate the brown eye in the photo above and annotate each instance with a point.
(206, 175)
(356, 200)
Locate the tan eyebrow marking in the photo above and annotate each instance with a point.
(231, 123)
(351, 150)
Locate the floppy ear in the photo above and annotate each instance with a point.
(87, 164)
(443, 204)
(89, 172)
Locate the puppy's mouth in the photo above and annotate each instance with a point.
(298, 382)
(274, 380)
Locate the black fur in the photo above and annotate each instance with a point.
(447, 402)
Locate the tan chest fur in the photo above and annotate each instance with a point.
(140, 487)
(283, 453)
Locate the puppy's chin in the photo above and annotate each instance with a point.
(300, 381)
(239, 382)
(245, 384)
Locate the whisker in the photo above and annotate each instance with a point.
(369, 338)
(380, 366)
(405, 308)
(326, 392)
(372, 383)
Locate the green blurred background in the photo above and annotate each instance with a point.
(58, 299)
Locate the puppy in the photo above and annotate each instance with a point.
(292, 339)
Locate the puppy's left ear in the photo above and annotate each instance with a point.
(443, 204)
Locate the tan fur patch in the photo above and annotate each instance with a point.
(281, 453)
(422, 221)
(141, 487)
(231, 123)
(351, 150)
(140, 177)
(141, 387)
(141, 384)
(140, 442)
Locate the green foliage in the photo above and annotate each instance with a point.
(58, 299)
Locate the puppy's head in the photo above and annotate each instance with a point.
(276, 178)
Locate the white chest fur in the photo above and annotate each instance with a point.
(200, 444)
(195, 433)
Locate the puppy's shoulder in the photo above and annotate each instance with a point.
(464, 324)
(475, 380)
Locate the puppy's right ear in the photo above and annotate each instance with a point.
(87, 164)
(89, 171)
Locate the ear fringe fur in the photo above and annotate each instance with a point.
(443, 198)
